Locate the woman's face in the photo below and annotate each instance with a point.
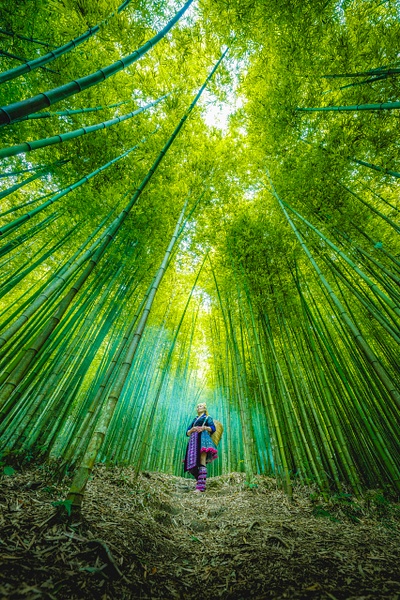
(201, 408)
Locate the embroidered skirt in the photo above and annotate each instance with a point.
(198, 443)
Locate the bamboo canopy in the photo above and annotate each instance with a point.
(232, 237)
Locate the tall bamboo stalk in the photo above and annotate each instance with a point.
(31, 65)
(358, 338)
(70, 135)
(13, 112)
(85, 468)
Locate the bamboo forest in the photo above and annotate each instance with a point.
(199, 206)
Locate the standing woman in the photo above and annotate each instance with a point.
(201, 449)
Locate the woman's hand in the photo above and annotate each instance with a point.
(199, 429)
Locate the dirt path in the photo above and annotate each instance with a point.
(152, 537)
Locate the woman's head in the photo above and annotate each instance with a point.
(201, 408)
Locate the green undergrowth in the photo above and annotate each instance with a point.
(343, 507)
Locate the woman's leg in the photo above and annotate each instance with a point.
(201, 480)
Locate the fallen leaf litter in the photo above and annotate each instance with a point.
(151, 537)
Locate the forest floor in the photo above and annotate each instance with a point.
(152, 537)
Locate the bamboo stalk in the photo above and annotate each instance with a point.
(358, 338)
(84, 470)
(12, 112)
(31, 65)
(70, 135)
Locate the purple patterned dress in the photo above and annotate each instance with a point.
(198, 443)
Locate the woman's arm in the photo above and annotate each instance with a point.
(190, 429)
(210, 427)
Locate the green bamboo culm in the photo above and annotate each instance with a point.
(378, 72)
(23, 60)
(40, 173)
(12, 112)
(25, 38)
(370, 207)
(84, 470)
(165, 373)
(55, 283)
(74, 450)
(22, 171)
(12, 281)
(12, 225)
(273, 335)
(359, 339)
(70, 112)
(66, 137)
(31, 65)
(24, 204)
(381, 106)
(372, 285)
(363, 163)
(15, 372)
(10, 246)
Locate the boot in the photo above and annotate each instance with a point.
(201, 480)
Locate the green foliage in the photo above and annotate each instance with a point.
(16, 459)
(8, 471)
(261, 339)
(320, 511)
(344, 507)
(251, 485)
(63, 506)
(383, 506)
